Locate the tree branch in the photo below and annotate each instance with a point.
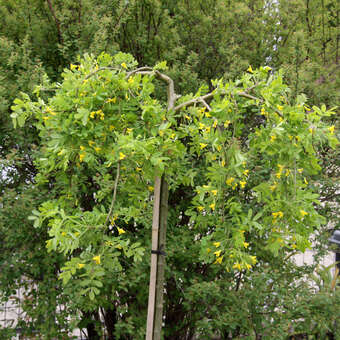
(60, 37)
(114, 194)
(100, 69)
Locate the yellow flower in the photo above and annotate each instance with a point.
(203, 145)
(200, 208)
(273, 187)
(243, 184)
(91, 142)
(201, 126)
(305, 180)
(123, 65)
(219, 260)
(310, 130)
(272, 138)
(97, 148)
(235, 186)
(96, 259)
(246, 172)
(81, 157)
(250, 69)
(121, 156)
(150, 188)
(226, 123)
(230, 180)
(279, 107)
(73, 67)
(212, 206)
(111, 100)
(298, 138)
(290, 137)
(214, 192)
(92, 114)
(207, 129)
(287, 172)
(217, 244)
(63, 233)
(253, 258)
(128, 130)
(214, 124)
(303, 213)
(217, 253)
(277, 214)
(245, 244)
(300, 170)
(306, 108)
(77, 233)
(81, 265)
(121, 231)
(208, 250)
(138, 169)
(207, 114)
(237, 266)
(331, 129)
(130, 80)
(248, 265)
(278, 175)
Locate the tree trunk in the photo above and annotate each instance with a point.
(159, 223)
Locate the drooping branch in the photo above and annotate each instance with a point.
(114, 194)
(172, 97)
(100, 69)
(206, 104)
(194, 101)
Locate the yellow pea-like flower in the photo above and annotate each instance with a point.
(121, 231)
(218, 253)
(96, 259)
(303, 213)
(81, 265)
(121, 155)
(217, 244)
(219, 260)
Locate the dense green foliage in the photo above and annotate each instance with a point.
(201, 41)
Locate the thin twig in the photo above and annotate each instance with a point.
(100, 69)
(206, 104)
(194, 101)
(114, 194)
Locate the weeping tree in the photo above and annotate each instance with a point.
(237, 161)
